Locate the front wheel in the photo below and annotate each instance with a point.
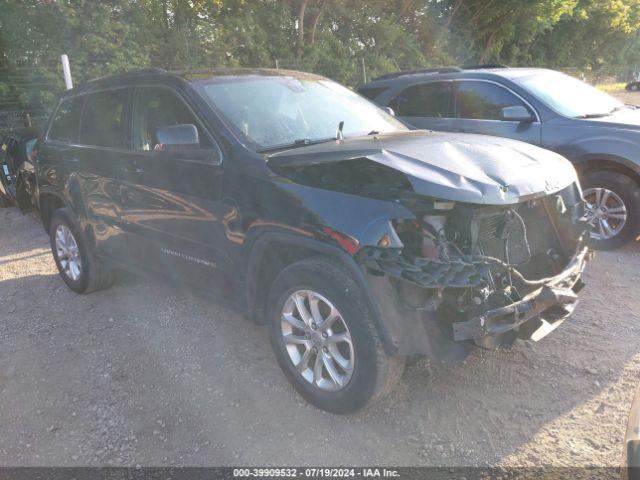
(323, 338)
(613, 209)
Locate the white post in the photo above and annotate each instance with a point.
(364, 71)
(67, 71)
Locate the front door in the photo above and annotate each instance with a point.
(479, 105)
(170, 194)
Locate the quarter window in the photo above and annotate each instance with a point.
(483, 100)
(160, 107)
(103, 119)
(425, 100)
(66, 122)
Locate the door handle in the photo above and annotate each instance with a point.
(70, 159)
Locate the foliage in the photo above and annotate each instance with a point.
(331, 37)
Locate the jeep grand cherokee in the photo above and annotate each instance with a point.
(358, 241)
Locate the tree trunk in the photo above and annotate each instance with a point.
(300, 39)
(314, 21)
(403, 10)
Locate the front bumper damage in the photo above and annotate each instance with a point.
(540, 311)
(532, 317)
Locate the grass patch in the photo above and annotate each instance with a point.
(612, 87)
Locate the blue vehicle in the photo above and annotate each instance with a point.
(598, 133)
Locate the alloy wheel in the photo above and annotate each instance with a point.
(606, 212)
(68, 253)
(317, 340)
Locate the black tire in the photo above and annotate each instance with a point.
(93, 275)
(629, 191)
(374, 373)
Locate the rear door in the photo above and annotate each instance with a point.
(171, 195)
(427, 105)
(57, 159)
(97, 159)
(479, 104)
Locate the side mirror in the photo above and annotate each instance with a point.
(516, 113)
(178, 135)
(390, 111)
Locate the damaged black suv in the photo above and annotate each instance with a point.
(357, 241)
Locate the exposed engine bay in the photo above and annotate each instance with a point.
(466, 238)
(493, 273)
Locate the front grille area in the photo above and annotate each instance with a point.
(501, 235)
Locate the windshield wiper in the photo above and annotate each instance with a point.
(300, 142)
(600, 115)
(593, 115)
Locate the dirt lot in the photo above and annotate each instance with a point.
(139, 374)
(142, 375)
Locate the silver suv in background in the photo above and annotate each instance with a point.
(598, 133)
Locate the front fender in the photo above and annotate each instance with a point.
(615, 150)
(366, 220)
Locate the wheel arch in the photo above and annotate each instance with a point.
(49, 202)
(609, 163)
(274, 251)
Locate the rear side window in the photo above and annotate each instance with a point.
(66, 122)
(103, 119)
(484, 101)
(425, 100)
(160, 107)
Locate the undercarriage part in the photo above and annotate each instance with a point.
(426, 272)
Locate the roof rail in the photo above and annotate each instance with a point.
(131, 73)
(417, 72)
(485, 66)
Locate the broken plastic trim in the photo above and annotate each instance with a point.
(426, 272)
(559, 291)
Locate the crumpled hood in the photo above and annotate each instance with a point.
(460, 167)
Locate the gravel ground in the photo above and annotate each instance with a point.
(140, 374)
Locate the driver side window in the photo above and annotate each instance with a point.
(483, 100)
(157, 108)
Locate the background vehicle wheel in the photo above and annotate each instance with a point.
(613, 204)
(634, 87)
(323, 338)
(77, 263)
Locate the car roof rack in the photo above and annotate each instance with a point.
(418, 72)
(484, 66)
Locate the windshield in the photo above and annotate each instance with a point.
(281, 111)
(567, 95)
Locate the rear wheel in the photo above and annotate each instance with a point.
(77, 263)
(321, 332)
(613, 209)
